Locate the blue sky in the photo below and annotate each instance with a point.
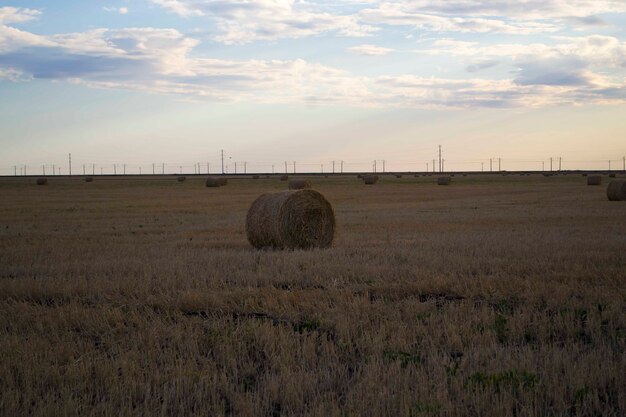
(138, 82)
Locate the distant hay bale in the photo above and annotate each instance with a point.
(42, 181)
(255, 177)
(213, 182)
(584, 175)
(299, 184)
(284, 177)
(370, 179)
(398, 176)
(612, 175)
(294, 219)
(88, 179)
(594, 180)
(181, 179)
(444, 180)
(616, 191)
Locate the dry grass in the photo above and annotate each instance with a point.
(143, 298)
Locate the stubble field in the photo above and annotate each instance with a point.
(494, 296)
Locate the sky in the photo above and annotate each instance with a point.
(130, 83)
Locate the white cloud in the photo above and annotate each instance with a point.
(243, 21)
(369, 50)
(11, 15)
(120, 10)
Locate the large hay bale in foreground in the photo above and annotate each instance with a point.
(213, 182)
(88, 179)
(594, 180)
(616, 191)
(181, 179)
(444, 181)
(295, 219)
(299, 184)
(42, 181)
(370, 179)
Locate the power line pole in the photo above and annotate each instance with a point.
(342, 166)
(333, 167)
(222, 153)
(490, 164)
(285, 167)
(70, 163)
(124, 169)
(245, 167)
(560, 161)
(294, 167)
(235, 167)
(442, 165)
(114, 169)
(550, 164)
(139, 170)
(499, 164)
(43, 170)
(383, 165)
(374, 166)
(440, 170)
(433, 165)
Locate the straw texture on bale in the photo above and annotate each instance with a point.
(181, 179)
(299, 184)
(444, 181)
(88, 179)
(42, 181)
(213, 182)
(370, 179)
(594, 180)
(616, 191)
(294, 219)
(284, 177)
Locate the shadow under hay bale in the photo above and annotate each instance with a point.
(88, 179)
(181, 179)
(444, 181)
(213, 182)
(594, 180)
(296, 219)
(284, 177)
(616, 191)
(42, 181)
(370, 179)
(299, 184)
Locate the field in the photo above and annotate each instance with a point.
(494, 296)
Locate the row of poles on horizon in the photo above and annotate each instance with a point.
(337, 166)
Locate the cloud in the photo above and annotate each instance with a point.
(120, 10)
(370, 50)
(481, 65)
(398, 14)
(244, 21)
(162, 61)
(12, 15)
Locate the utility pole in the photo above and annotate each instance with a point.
(609, 167)
(342, 166)
(100, 170)
(433, 165)
(543, 166)
(222, 152)
(124, 169)
(114, 169)
(333, 167)
(440, 169)
(499, 164)
(43, 170)
(374, 166)
(560, 161)
(442, 165)
(139, 170)
(235, 167)
(623, 163)
(550, 164)
(383, 165)
(294, 167)
(15, 170)
(245, 167)
(490, 164)
(70, 163)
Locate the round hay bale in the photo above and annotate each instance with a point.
(255, 177)
(398, 176)
(370, 179)
(584, 175)
(294, 219)
(616, 191)
(181, 179)
(213, 182)
(42, 181)
(284, 177)
(88, 179)
(298, 184)
(594, 180)
(612, 175)
(444, 181)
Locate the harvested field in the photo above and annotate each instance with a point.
(142, 297)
